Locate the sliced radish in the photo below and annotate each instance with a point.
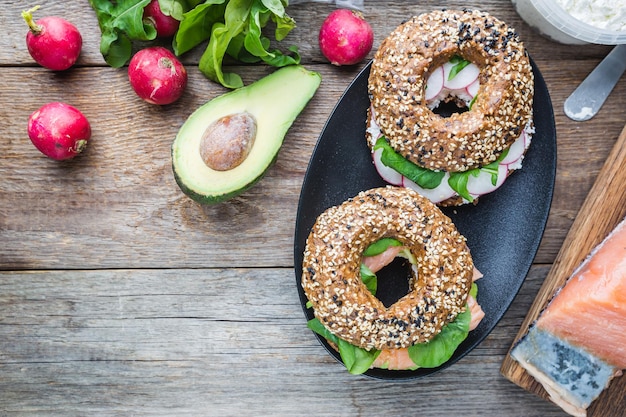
(481, 184)
(472, 89)
(516, 150)
(463, 79)
(434, 84)
(517, 164)
(436, 195)
(390, 175)
(527, 138)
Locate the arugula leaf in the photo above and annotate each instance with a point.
(256, 45)
(357, 360)
(121, 22)
(471, 103)
(232, 27)
(380, 246)
(235, 16)
(492, 169)
(196, 24)
(172, 8)
(239, 35)
(369, 279)
(423, 177)
(284, 25)
(459, 63)
(474, 290)
(458, 180)
(441, 348)
(275, 6)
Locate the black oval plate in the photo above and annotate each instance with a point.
(503, 230)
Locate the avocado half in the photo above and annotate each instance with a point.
(274, 101)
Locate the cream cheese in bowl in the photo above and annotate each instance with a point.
(576, 21)
(603, 14)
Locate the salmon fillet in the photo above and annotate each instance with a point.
(590, 310)
(578, 343)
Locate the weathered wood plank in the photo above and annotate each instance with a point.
(213, 342)
(117, 205)
(108, 207)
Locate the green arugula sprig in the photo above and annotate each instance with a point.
(425, 178)
(232, 27)
(426, 355)
(458, 65)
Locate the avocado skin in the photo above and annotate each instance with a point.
(292, 86)
(217, 198)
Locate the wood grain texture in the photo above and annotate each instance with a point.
(120, 296)
(603, 209)
(107, 207)
(205, 342)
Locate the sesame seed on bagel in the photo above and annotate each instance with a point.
(503, 105)
(333, 254)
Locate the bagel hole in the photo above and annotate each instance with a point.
(449, 107)
(393, 281)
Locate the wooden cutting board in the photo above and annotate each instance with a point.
(601, 211)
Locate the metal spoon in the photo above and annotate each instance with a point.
(587, 99)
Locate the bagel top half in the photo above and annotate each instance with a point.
(463, 141)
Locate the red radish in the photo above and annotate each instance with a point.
(165, 25)
(516, 150)
(390, 175)
(434, 84)
(345, 37)
(472, 89)
(52, 41)
(59, 131)
(157, 76)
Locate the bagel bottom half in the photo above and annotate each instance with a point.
(347, 313)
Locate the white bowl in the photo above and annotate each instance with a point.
(553, 22)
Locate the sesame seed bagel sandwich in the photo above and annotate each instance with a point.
(351, 242)
(451, 95)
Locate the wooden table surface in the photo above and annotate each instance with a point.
(121, 296)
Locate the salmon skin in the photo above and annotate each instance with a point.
(571, 375)
(578, 343)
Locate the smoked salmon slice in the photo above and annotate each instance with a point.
(578, 343)
(590, 310)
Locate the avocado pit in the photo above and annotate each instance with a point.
(227, 141)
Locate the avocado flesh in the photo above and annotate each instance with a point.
(274, 101)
